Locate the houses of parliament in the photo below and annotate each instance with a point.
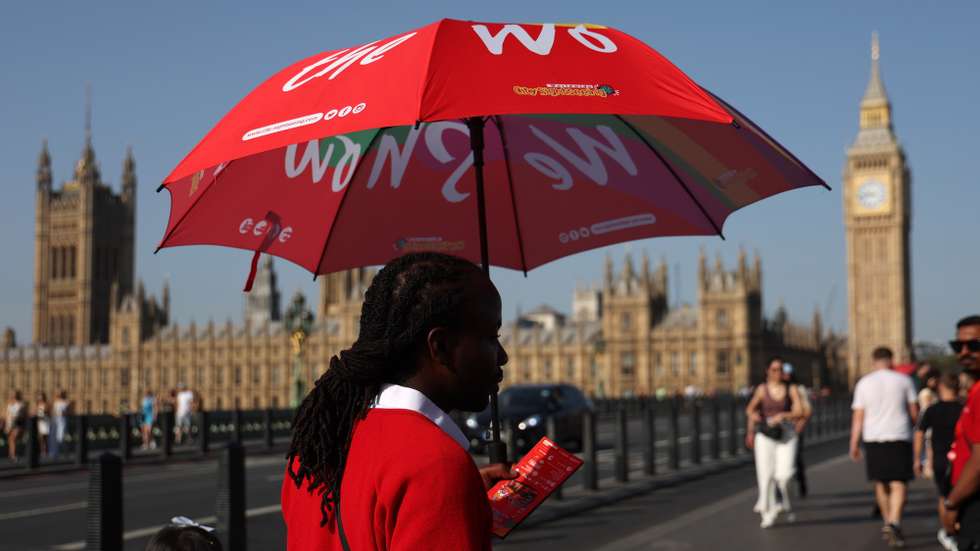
(98, 334)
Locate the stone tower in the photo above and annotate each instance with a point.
(877, 219)
(633, 302)
(341, 294)
(730, 321)
(83, 244)
(263, 304)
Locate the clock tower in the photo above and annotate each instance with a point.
(877, 219)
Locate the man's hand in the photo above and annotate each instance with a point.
(917, 467)
(491, 474)
(949, 522)
(856, 453)
(750, 440)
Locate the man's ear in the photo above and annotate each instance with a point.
(439, 345)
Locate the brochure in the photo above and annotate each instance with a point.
(542, 471)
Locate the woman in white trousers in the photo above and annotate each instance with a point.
(774, 406)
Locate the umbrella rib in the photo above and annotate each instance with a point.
(768, 137)
(673, 173)
(343, 200)
(513, 198)
(190, 208)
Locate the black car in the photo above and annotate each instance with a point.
(525, 409)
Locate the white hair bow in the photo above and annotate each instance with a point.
(184, 521)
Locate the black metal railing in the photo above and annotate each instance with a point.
(620, 441)
(88, 436)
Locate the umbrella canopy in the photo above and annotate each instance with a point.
(503, 143)
(351, 157)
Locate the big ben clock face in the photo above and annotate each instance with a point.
(871, 197)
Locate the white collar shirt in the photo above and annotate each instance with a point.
(402, 397)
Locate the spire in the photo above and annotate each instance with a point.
(608, 272)
(702, 267)
(87, 170)
(165, 297)
(875, 94)
(44, 168)
(645, 268)
(876, 110)
(129, 176)
(628, 267)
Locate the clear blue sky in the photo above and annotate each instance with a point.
(163, 73)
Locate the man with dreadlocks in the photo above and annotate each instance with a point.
(375, 461)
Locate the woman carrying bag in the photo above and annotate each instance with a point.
(771, 413)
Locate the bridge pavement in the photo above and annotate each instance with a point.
(716, 513)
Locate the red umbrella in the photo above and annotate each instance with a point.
(584, 135)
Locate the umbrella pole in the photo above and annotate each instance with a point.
(496, 449)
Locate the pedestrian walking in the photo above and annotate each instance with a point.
(772, 413)
(884, 410)
(789, 376)
(375, 461)
(183, 534)
(183, 409)
(928, 395)
(60, 411)
(42, 412)
(939, 421)
(15, 422)
(148, 415)
(962, 517)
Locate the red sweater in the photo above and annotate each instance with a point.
(407, 486)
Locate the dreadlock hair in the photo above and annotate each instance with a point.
(407, 298)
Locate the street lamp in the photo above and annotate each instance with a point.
(299, 323)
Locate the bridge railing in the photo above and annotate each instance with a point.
(620, 440)
(86, 436)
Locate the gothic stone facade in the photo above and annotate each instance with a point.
(623, 340)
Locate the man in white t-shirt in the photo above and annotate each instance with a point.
(885, 410)
(183, 411)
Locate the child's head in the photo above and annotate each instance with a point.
(184, 536)
(949, 386)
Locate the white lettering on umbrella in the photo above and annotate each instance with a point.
(605, 45)
(592, 165)
(379, 52)
(311, 157)
(339, 61)
(545, 40)
(388, 148)
(550, 168)
(352, 153)
(495, 43)
(433, 140)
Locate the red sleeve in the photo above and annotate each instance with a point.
(971, 418)
(444, 506)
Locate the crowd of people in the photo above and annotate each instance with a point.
(182, 402)
(924, 424)
(52, 422)
(895, 416)
(52, 419)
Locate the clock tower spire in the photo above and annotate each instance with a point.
(877, 220)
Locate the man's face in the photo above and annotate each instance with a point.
(969, 360)
(477, 356)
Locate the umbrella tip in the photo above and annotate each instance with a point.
(160, 187)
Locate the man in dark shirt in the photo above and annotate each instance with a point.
(941, 418)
